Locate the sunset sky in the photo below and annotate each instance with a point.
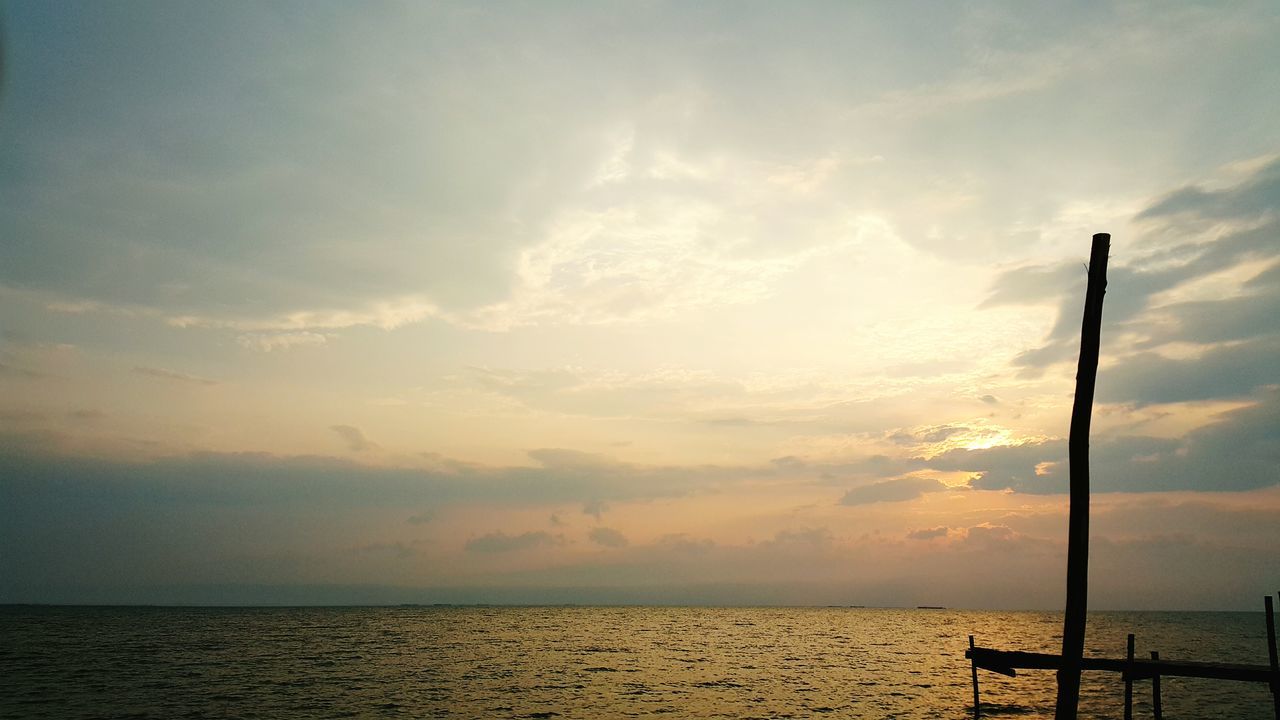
(708, 302)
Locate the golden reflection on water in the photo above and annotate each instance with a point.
(579, 662)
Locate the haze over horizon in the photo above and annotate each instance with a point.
(734, 303)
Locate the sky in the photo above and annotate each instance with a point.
(635, 302)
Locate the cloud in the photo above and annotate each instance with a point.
(299, 327)
(932, 434)
(421, 518)
(1006, 466)
(595, 508)
(396, 550)
(607, 537)
(257, 519)
(44, 473)
(1193, 234)
(676, 174)
(1256, 196)
(1223, 372)
(685, 544)
(807, 537)
(988, 536)
(908, 488)
(354, 438)
(267, 342)
(1238, 451)
(500, 542)
(171, 375)
(928, 533)
(1253, 314)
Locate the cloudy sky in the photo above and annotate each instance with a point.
(635, 302)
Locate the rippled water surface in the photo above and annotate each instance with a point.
(539, 662)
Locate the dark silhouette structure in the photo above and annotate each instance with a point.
(1078, 456)
(1131, 669)
(1071, 661)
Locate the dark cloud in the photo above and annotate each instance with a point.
(1240, 451)
(807, 537)
(353, 437)
(608, 537)
(989, 537)
(685, 544)
(397, 550)
(1254, 314)
(928, 533)
(1224, 372)
(500, 542)
(171, 375)
(897, 490)
(250, 479)
(421, 518)
(1005, 466)
(563, 459)
(1255, 197)
(1036, 284)
(595, 508)
(990, 399)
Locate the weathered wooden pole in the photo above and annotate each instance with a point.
(1078, 456)
(973, 665)
(1157, 710)
(1272, 656)
(1128, 681)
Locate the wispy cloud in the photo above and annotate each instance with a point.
(173, 375)
(607, 537)
(500, 542)
(353, 437)
(267, 342)
(892, 491)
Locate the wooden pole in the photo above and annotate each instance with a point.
(973, 662)
(1156, 708)
(1128, 680)
(1271, 653)
(1078, 456)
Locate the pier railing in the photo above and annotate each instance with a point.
(1131, 668)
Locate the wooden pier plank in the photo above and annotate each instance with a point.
(1003, 661)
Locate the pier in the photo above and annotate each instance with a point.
(1131, 668)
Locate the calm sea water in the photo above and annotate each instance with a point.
(541, 662)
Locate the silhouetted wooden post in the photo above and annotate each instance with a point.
(1128, 680)
(1157, 709)
(973, 664)
(1271, 653)
(1078, 456)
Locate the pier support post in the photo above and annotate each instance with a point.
(1271, 653)
(1156, 708)
(1128, 680)
(973, 665)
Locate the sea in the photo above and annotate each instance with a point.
(589, 662)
